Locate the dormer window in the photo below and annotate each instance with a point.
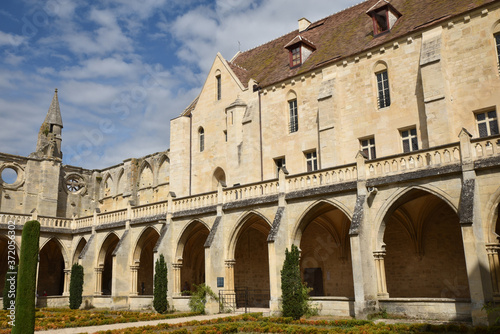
(384, 17)
(299, 49)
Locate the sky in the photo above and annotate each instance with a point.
(123, 68)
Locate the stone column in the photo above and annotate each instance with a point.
(67, 279)
(230, 273)
(177, 278)
(98, 280)
(381, 281)
(494, 262)
(135, 271)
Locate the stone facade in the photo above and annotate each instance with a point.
(392, 201)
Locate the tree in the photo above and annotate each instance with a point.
(76, 287)
(200, 297)
(160, 302)
(10, 279)
(26, 279)
(294, 293)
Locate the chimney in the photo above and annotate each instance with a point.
(303, 24)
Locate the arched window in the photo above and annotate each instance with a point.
(496, 35)
(293, 120)
(201, 135)
(383, 93)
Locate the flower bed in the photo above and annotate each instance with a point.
(255, 323)
(46, 319)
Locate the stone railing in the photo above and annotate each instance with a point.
(322, 177)
(195, 202)
(18, 219)
(55, 222)
(260, 189)
(442, 156)
(112, 217)
(485, 148)
(149, 210)
(84, 222)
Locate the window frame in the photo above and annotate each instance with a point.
(370, 148)
(488, 121)
(496, 37)
(279, 163)
(296, 55)
(311, 161)
(377, 30)
(293, 116)
(218, 84)
(383, 89)
(201, 139)
(411, 138)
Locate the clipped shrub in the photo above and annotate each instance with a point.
(160, 302)
(200, 297)
(10, 278)
(26, 279)
(76, 287)
(294, 293)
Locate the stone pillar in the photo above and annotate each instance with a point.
(135, 271)
(98, 280)
(494, 262)
(177, 277)
(67, 279)
(230, 273)
(381, 281)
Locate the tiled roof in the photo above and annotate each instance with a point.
(343, 34)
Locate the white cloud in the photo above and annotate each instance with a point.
(7, 39)
(97, 67)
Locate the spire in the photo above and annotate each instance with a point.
(54, 113)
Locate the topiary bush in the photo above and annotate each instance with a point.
(294, 293)
(10, 278)
(200, 297)
(26, 279)
(76, 287)
(160, 302)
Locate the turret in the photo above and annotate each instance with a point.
(49, 136)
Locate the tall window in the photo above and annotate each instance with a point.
(219, 87)
(497, 42)
(280, 163)
(294, 116)
(311, 161)
(295, 56)
(487, 123)
(201, 135)
(384, 98)
(410, 141)
(368, 147)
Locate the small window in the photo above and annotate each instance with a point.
(487, 123)
(410, 141)
(201, 135)
(280, 163)
(311, 161)
(219, 87)
(384, 97)
(497, 42)
(225, 135)
(294, 116)
(295, 56)
(380, 21)
(368, 147)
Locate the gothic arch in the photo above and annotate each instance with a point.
(301, 221)
(120, 182)
(79, 247)
(492, 208)
(105, 263)
(163, 174)
(143, 261)
(146, 180)
(184, 235)
(141, 239)
(53, 261)
(399, 196)
(109, 240)
(237, 230)
(64, 250)
(107, 186)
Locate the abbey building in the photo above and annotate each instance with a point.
(369, 139)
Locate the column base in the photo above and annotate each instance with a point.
(382, 295)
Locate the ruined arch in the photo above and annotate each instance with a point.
(53, 261)
(422, 248)
(164, 170)
(121, 182)
(105, 262)
(191, 253)
(4, 253)
(143, 260)
(492, 232)
(248, 249)
(107, 186)
(146, 175)
(79, 248)
(326, 264)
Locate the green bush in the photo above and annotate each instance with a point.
(76, 287)
(160, 302)
(6, 288)
(200, 297)
(26, 280)
(294, 293)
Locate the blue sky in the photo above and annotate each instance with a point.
(123, 68)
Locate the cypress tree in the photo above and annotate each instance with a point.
(293, 291)
(76, 287)
(26, 279)
(9, 277)
(160, 302)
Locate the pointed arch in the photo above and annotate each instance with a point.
(105, 261)
(164, 169)
(143, 260)
(243, 222)
(146, 175)
(79, 247)
(107, 185)
(53, 261)
(121, 182)
(492, 233)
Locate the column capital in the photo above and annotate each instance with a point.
(379, 255)
(177, 266)
(492, 248)
(230, 263)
